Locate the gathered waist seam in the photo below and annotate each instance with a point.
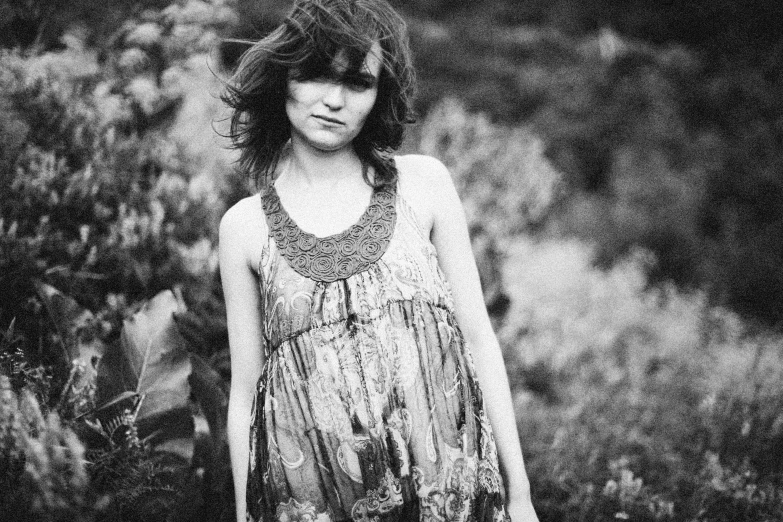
(362, 319)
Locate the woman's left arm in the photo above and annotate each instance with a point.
(455, 256)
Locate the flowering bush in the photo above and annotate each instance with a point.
(506, 183)
(622, 388)
(99, 198)
(606, 370)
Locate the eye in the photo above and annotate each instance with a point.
(310, 75)
(360, 83)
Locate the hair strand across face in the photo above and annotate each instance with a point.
(305, 46)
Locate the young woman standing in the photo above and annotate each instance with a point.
(365, 372)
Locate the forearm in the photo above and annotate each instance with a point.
(491, 371)
(238, 432)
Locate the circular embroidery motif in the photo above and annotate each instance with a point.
(338, 256)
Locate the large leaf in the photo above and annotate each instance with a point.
(208, 391)
(152, 361)
(73, 324)
(82, 348)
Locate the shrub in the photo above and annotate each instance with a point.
(607, 370)
(506, 183)
(43, 471)
(100, 198)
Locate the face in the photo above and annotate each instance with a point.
(326, 113)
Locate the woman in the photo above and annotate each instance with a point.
(352, 297)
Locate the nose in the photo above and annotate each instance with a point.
(334, 96)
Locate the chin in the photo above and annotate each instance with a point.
(329, 146)
(326, 141)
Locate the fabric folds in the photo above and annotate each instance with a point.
(368, 408)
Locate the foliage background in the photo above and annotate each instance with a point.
(620, 166)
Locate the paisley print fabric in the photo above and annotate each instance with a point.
(368, 408)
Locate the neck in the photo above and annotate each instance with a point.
(314, 167)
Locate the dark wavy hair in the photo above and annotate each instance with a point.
(306, 44)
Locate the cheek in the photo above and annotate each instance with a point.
(292, 110)
(291, 100)
(301, 94)
(297, 101)
(367, 103)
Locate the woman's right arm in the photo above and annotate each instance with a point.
(238, 237)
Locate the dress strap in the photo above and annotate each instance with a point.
(409, 213)
(263, 227)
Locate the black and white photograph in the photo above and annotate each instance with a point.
(391, 261)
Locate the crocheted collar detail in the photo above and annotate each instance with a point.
(340, 255)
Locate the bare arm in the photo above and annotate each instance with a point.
(238, 235)
(455, 256)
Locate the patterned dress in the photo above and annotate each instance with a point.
(368, 408)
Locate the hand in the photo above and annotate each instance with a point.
(521, 510)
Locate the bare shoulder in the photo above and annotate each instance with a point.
(425, 169)
(422, 182)
(242, 229)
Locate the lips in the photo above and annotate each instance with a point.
(328, 120)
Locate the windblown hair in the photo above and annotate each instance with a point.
(305, 45)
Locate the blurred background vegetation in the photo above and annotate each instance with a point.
(620, 165)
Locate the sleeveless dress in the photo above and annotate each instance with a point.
(368, 407)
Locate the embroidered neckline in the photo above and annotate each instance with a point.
(340, 255)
